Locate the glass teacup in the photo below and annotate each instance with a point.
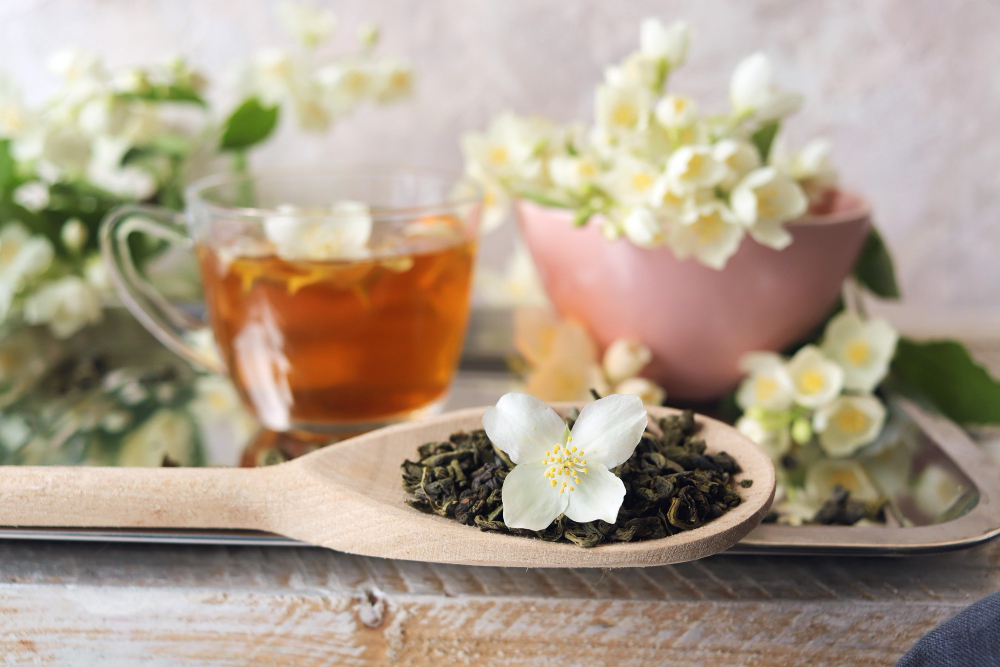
(338, 300)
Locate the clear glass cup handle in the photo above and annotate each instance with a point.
(168, 323)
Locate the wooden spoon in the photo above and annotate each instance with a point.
(349, 497)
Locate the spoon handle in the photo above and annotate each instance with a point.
(134, 497)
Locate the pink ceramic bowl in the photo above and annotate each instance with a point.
(697, 321)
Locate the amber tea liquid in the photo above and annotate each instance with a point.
(314, 344)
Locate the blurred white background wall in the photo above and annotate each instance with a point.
(908, 90)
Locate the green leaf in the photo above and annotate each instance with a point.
(763, 139)
(251, 123)
(8, 167)
(874, 269)
(945, 374)
(166, 93)
(544, 200)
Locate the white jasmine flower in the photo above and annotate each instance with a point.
(494, 198)
(767, 385)
(129, 182)
(935, 491)
(824, 475)
(561, 472)
(13, 118)
(22, 256)
(738, 156)
(647, 390)
(167, 434)
(572, 173)
(33, 195)
(623, 109)
(694, 167)
(508, 151)
(642, 228)
(863, 348)
(224, 424)
(393, 81)
(116, 421)
(133, 393)
(676, 111)
(636, 70)
(517, 287)
(848, 424)
(65, 305)
(763, 201)
(667, 42)
(710, 232)
(815, 379)
(275, 73)
(625, 358)
(342, 233)
(59, 151)
(752, 91)
(666, 196)
(631, 180)
(811, 165)
(311, 110)
(104, 115)
(14, 432)
(74, 234)
(95, 272)
(775, 439)
(72, 65)
(307, 24)
(346, 85)
(797, 510)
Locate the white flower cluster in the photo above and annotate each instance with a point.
(109, 137)
(823, 393)
(564, 364)
(84, 131)
(322, 89)
(656, 170)
(72, 157)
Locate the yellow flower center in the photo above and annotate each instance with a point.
(767, 202)
(858, 352)
(499, 155)
(400, 80)
(709, 228)
(845, 479)
(641, 182)
(851, 420)
(680, 104)
(695, 165)
(11, 119)
(811, 381)
(565, 461)
(624, 115)
(765, 388)
(356, 81)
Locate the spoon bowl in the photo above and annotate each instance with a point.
(349, 497)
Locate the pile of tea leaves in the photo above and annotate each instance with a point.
(671, 485)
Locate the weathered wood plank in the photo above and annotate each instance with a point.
(120, 604)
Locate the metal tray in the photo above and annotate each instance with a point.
(942, 440)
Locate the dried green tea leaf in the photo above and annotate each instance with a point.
(671, 485)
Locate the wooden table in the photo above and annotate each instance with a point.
(122, 604)
(89, 603)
